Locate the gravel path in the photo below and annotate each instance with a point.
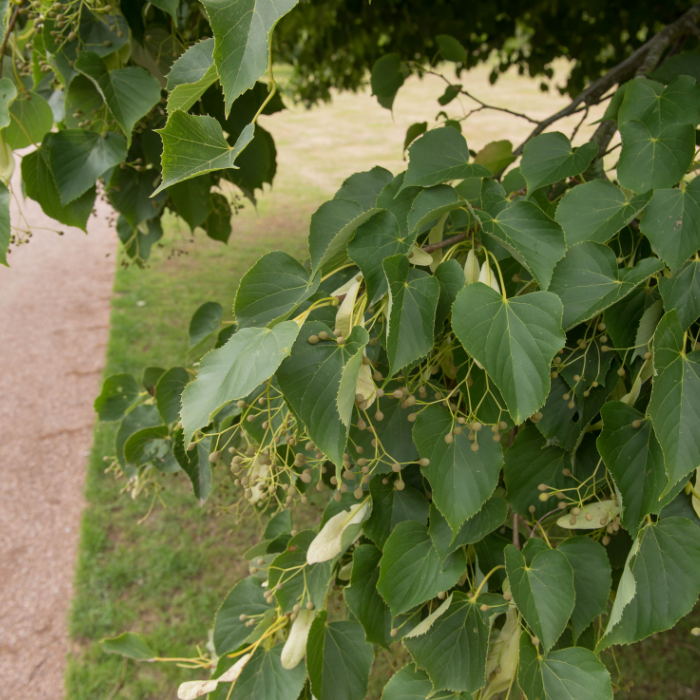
(54, 324)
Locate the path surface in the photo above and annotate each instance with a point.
(54, 322)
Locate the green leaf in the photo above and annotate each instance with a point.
(192, 199)
(264, 678)
(451, 49)
(331, 228)
(377, 238)
(365, 187)
(491, 516)
(245, 598)
(218, 221)
(363, 599)
(431, 204)
(137, 243)
(130, 193)
(242, 30)
(462, 479)
(195, 145)
(386, 79)
(8, 92)
(413, 299)
(136, 447)
(205, 322)
(301, 582)
(5, 226)
(567, 674)
(596, 211)
(338, 659)
(129, 93)
(413, 132)
(450, 276)
(633, 457)
(671, 222)
(666, 574)
(168, 392)
(682, 293)
(318, 381)
(622, 318)
(654, 157)
(654, 105)
(674, 407)
(550, 157)
(411, 570)
(543, 591)
(195, 463)
(271, 290)
(391, 507)
(495, 156)
(131, 645)
(143, 416)
(31, 119)
(231, 372)
(531, 461)
(408, 683)
(79, 157)
(685, 63)
(592, 579)
(588, 281)
(514, 339)
(191, 75)
(118, 394)
(438, 156)
(453, 651)
(530, 236)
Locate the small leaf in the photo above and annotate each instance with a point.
(205, 322)
(168, 392)
(365, 187)
(596, 211)
(549, 158)
(495, 156)
(543, 591)
(338, 659)
(245, 598)
(413, 299)
(408, 683)
(438, 156)
(682, 293)
(191, 75)
(411, 570)
(30, 120)
(131, 645)
(588, 281)
(119, 392)
(195, 463)
(671, 222)
(451, 49)
(386, 79)
(654, 105)
(413, 132)
(431, 204)
(227, 374)
(195, 145)
(674, 407)
(514, 339)
(462, 479)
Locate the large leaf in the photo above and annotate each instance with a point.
(653, 104)
(245, 598)
(462, 479)
(332, 227)
(588, 281)
(682, 292)
(338, 659)
(195, 145)
(592, 579)
(31, 119)
(391, 507)
(453, 651)
(377, 238)
(514, 339)
(318, 381)
(531, 461)
(271, 290)
(665, 571)
(530, 236)
(365, 187)
(364, 600)
(633, 457)
(438, 156)
(596, 211)
(550, 157)
(431, 204)
(411, 571)
(543, 591)
(413, 299)
(674, 407)
(656, 157)
(129, 93)
(191, 75)
(671, 222)
(79, 157)
(491, 516)
(567, 674)
(231, 372)
(242, 31)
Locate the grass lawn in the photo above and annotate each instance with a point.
(165, 578)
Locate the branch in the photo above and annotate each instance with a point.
(10, 27)
(447, 242)
(644, 59)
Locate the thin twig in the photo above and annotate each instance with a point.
(578, 126)
(10, 27)
(443, 244)
(516, 531)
